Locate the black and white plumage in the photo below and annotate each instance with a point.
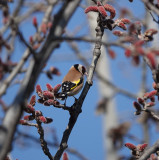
(73, 81)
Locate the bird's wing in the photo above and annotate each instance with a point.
(68, 86)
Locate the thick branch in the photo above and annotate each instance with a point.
(14, 113)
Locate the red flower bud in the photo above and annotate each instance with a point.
(130, 146)
(140, 100)
(38, 113)
(102, 11)
(125, 21)
(38, 89)
(31, 40)
(33, 100)
(48, 95)
(34, 21)
(150, 104)
(142, 147)
(44, 28)
(42, 119)
(151, 57)
(29, 108)
(110, 9)
(57, 88)
(118, 33)
(23, 122)
(49, 87)
(29, 117)
(128, 52)
(91, 8)
(111, 53)
(151, 94)
(65, 156)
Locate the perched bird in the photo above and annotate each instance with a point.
(73, 81)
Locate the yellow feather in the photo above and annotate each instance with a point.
(76, 82)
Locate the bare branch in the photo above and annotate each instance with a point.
(14, 113)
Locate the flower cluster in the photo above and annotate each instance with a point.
(102, 9)
(138, 40)
(65, 156)
(35, 42)
(48, 97)
(138, 150)
(34, 114)
(145, 102)
(108, 22)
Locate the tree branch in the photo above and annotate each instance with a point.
(14, 113)
(77, 106)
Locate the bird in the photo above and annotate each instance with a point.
(72, 82)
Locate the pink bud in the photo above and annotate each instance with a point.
(122, 25)
(29, 117)
(65, 156)
(38, 89)
(23, 122)
(44, 28)
(29, 108)
(130, 146)
(128, 52)
(38, 113)
(57, 88)
(48, 95)
(31, 40)
(111, 53)
(34, 21)
(42, 119)
(140, 100)
(118, 33)
(102, 11)
(150, 104)
(152, 93)
(49, 87)
(91, 8)
(151, 57)
(125, 21)
(142, 147)
(33, 100)
(110, 9)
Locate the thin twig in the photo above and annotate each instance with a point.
(42, 140)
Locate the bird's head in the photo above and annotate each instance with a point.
(80, 68)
